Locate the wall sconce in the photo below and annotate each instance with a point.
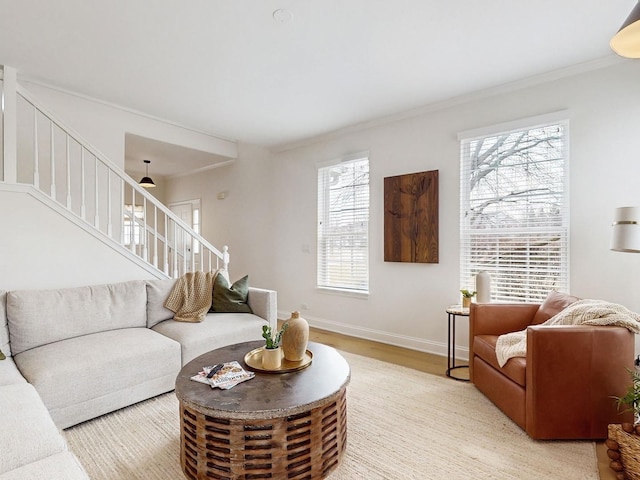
(625, 230)
(626, 42)
(146, 181)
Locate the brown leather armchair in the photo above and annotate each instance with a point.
(563, 389)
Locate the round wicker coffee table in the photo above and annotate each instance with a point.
(282, 426)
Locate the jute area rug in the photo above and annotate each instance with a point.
(402, 424)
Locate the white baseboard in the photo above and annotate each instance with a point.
(404, 341)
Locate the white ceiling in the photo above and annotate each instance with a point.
(228, 68)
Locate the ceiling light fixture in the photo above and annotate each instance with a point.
(626, 42)
(146, 181)
(282, 15)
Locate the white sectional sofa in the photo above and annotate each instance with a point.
(77, 353)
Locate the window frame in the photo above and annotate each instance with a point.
(468, 269)
(323, 282)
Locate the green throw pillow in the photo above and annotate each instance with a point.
(230, 299)
(2, 357)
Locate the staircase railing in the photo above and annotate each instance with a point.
(54, 159)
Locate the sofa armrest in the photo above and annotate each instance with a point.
(573, 371)
(500, 318)
(264, 304)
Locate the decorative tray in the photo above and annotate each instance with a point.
(253, 359)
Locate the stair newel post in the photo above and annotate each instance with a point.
(10, 124)
(225, 259)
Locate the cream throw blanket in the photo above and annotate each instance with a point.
(582, 312)
(191, 296)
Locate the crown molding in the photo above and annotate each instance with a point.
(577, 69)
(116, 106)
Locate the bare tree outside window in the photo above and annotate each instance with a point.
(514, 215)
(343, 226)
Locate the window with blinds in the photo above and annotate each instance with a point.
(514, 218)
(343, 225)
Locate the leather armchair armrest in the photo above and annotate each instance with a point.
(500, 318)
(573, 372)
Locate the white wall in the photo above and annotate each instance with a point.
(39, 248)
(243, 220)
(104, 126)
(407, 302)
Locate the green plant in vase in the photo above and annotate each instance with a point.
(272, 353)
(467, 295)
(273, 341)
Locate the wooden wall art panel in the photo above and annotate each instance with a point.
(411, 218)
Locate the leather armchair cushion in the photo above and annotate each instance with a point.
(484, 346)
(553, 304)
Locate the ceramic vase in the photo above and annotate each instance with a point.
(466, 302)
(295, 338)
(483, 286)
(271, 358)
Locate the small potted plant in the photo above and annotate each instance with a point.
(467, 295)
(272, 353)
(631, 397)
(623, 441)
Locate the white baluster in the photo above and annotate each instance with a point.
(96, 220)
(155, 236)
(53, 161)
(132, 221)
(109, 209)
(36, 160)
(83, 202)
(175, 250)
(143, 233)
(166, 244)
(68, 173)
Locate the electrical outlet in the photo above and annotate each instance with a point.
(304, 306)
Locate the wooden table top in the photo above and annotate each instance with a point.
(268, 394)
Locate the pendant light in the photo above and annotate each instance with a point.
(626, 42)
(146, 181)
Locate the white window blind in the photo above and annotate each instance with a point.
(514, 217)
(343, 225)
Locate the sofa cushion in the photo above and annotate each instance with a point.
(157, 293)
(553, 304)
(102, 368)
(230, 299)
(484, 346)
(4, 329)
(28, 433)
(39, 317)
(63, 465)
(9, 373)
(217, 330)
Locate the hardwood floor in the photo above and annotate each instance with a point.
(425, 362)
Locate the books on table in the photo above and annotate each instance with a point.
(224, 375)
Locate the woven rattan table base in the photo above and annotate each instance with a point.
(304, 446)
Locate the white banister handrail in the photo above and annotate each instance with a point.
(142, 235)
